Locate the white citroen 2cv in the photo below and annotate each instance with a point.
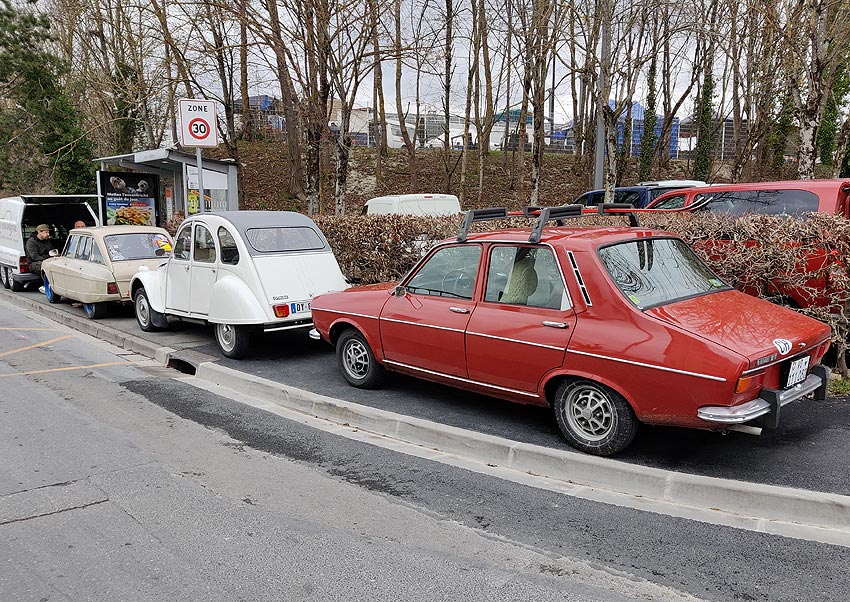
(242, 272)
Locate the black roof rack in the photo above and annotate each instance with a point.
(620, 209)
(548, 214)
(543, 216)
(479, 215)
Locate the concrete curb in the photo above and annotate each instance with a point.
(111, 335)
(787, 505)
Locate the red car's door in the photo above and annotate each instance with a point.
(424, 328)
(521, 328)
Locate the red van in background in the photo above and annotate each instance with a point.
(790, 198)
(793, 197)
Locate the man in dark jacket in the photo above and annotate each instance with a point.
(38, 248)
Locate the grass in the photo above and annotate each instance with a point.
(839, 387)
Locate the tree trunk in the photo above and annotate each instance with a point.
(343, 153)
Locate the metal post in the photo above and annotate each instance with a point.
(599, 163)
(201, 203)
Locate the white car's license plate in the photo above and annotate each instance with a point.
(297, 308)
(797, 371)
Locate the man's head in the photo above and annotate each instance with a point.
(79, 224)
(42, 231)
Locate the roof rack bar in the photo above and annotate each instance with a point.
(552, 213)
(479, 215)
(620, 209)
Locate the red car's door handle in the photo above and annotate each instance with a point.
(554, 324)
(459, 310)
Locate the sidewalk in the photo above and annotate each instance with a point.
(760, 507)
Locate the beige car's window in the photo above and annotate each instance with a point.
(204, 247)
(96, 255)
(83, 248)
(183, 244)
(71, 247)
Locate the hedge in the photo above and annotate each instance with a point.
(764, 255)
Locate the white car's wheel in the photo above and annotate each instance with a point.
(233, 340)
(144, 312)
(4, 277)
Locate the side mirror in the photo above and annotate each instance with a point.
(399, 291)
(159, 252)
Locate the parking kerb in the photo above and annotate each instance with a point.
(739, 498)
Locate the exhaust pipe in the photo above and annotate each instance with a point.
(743, 428)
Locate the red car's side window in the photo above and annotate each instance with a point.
(525, 276)
(449, 272)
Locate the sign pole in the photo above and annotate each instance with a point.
(201, 202)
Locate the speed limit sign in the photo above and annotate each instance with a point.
(198, 122)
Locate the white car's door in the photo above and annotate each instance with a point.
(203, 270)
(177, 276)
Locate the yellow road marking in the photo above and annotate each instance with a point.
(28, 347)
(66, 369)
(33, 329)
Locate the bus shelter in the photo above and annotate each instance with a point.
(178, 176)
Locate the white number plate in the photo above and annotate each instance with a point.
(797, 371)
(297, 308)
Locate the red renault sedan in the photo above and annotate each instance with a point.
(610, 326)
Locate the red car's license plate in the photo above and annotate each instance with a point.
(797, 371)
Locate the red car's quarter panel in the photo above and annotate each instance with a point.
(509, 346)
(355, 307)
(426, 332)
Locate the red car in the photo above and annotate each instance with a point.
(609, 326)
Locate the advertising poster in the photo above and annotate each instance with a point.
(129, 198)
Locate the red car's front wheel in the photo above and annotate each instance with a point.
(357, 362)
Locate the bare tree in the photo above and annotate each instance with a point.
(814, 38)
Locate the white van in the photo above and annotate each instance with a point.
(19, 217)
(413, 204)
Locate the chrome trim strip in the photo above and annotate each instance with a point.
(490, 336)
(789, 357)
(466, 380)
(295, 327)
(422, 325)
(757, 407)
(664, 368)
(579, 279)
(342, 313)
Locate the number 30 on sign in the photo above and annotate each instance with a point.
(198, 120)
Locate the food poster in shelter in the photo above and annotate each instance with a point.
(129, 198)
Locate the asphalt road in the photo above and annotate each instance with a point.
(117, 483)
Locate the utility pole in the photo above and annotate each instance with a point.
(599, 163)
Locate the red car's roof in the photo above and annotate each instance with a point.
(575, 237)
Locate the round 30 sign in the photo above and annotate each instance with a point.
(198, 123)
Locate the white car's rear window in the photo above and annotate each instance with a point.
(280, 239)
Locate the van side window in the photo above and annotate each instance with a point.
(673, 202)
(764, 202)
(229, 250)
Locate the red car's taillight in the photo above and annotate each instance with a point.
(749, 382)
(23, 266)
(281, 311)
